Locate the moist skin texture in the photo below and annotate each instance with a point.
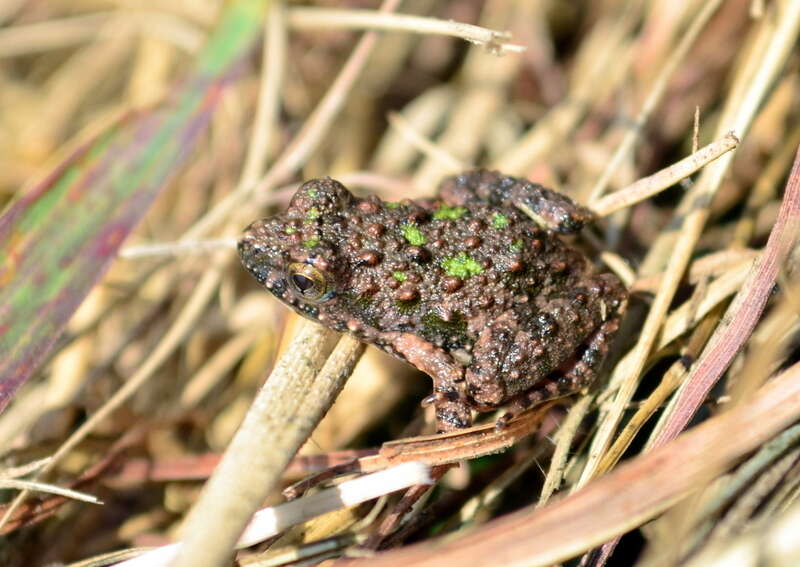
(474, 287)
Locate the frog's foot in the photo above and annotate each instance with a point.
(545, 206)
(452, 416)
(452, 409)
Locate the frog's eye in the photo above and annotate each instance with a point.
(308, 281)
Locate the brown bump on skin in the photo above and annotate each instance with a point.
(438, 243)
(368, 207)
(581, 298)
(354, 241)
(407, 292)
(451, 284)
(485, 302)
(418, 217)
(354, 326)
(295, 238)
(516, 266)
(417, 254)
(476, 225)
(487, 264)
(375, 230)
(472, 242)
(559, 266)
(548, 328)
(414, 277)
(536, 245)
(391, 282)
(368, 258)
(367, 288)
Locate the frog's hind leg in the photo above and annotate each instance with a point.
(545, 206)
(579, 372)
(453, 411)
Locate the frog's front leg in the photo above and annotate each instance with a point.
(545, 206)
(452, 410)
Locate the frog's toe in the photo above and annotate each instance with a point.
(452, 416)
(503, 421)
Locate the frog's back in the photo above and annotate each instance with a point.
(443, 272)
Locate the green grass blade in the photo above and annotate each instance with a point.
(57, 240)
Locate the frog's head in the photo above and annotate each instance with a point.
(296, 255)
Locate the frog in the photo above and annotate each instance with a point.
(477, 286)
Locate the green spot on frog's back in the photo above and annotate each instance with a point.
(517, 244)
(399, 276)
(313, 213)
(461, 266)
(290, 229)
(392, 205)
(313, 193)
(445, 212)
(500, 220)
(311, 242)
(413, 235)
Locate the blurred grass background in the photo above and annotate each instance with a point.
(556, 113)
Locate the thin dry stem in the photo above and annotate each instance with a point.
(495, 41)
(646, 187)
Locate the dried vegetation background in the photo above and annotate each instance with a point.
(144, 391)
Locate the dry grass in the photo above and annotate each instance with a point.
(163, 360)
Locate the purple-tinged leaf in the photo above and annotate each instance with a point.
(58, 239)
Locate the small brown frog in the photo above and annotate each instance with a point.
(474, 287)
